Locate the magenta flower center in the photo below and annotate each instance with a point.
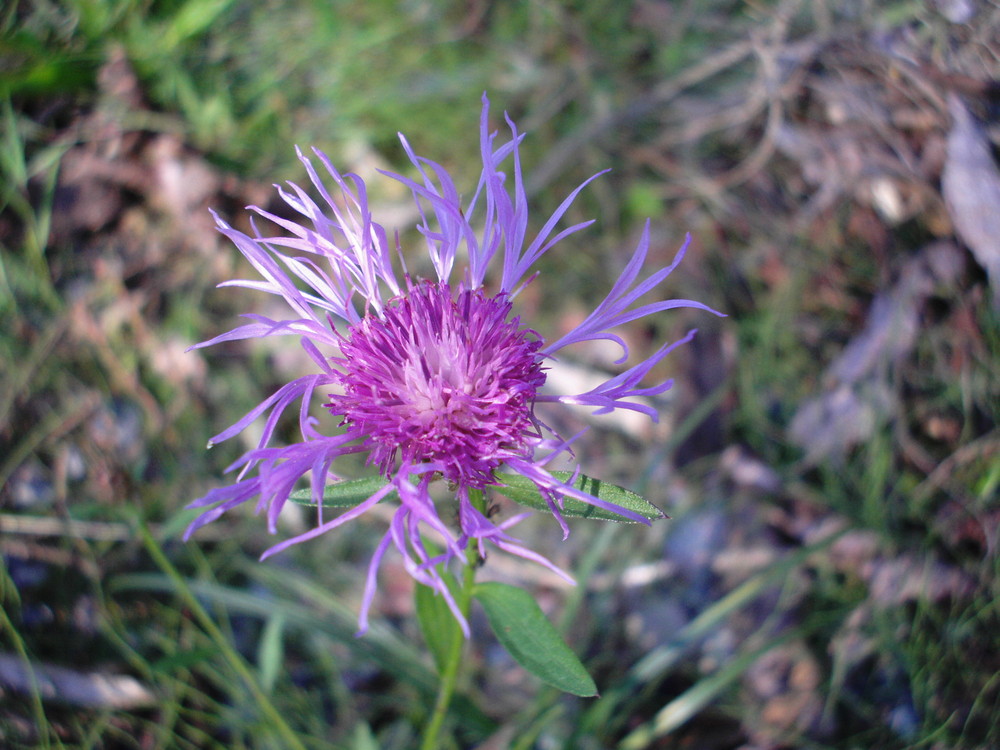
(443, 380)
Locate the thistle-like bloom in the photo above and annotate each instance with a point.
(432, 379)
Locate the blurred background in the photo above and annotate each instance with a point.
(829, 452)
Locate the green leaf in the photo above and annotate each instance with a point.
(271, 650)
(187, 659)
(362, 738)
(522, 490)
(191, 20)
(522, 628)
(345, 494)
(437, 623)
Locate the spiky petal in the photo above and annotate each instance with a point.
(431, 379)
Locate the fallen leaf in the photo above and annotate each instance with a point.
(970, 184)
(859, 395)
(91, 689)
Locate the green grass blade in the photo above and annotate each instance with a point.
(180, 586)
(691, 701)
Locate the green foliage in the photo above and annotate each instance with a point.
(352, 492)
(249, 80)
(242, 654)
(522, 490)
(344, 494)
(437, 624)
(524, 630)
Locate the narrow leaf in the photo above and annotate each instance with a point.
(271, 651)
(522, 628)
(678, 711)
(344, 494)
(522, 490)
(437, 623)
(186, 659)
(362, 738)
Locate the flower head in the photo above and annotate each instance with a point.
(444, 378)
(430, 378)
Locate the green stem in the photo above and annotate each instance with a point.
(449, 672)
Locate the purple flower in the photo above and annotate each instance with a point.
(432, 379)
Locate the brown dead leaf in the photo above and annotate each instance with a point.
(828, 425)
(897, 580)
(971, 187)
(859, 394)
(908, 578)
(92, 689)
(785, 684)
(184, 186)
